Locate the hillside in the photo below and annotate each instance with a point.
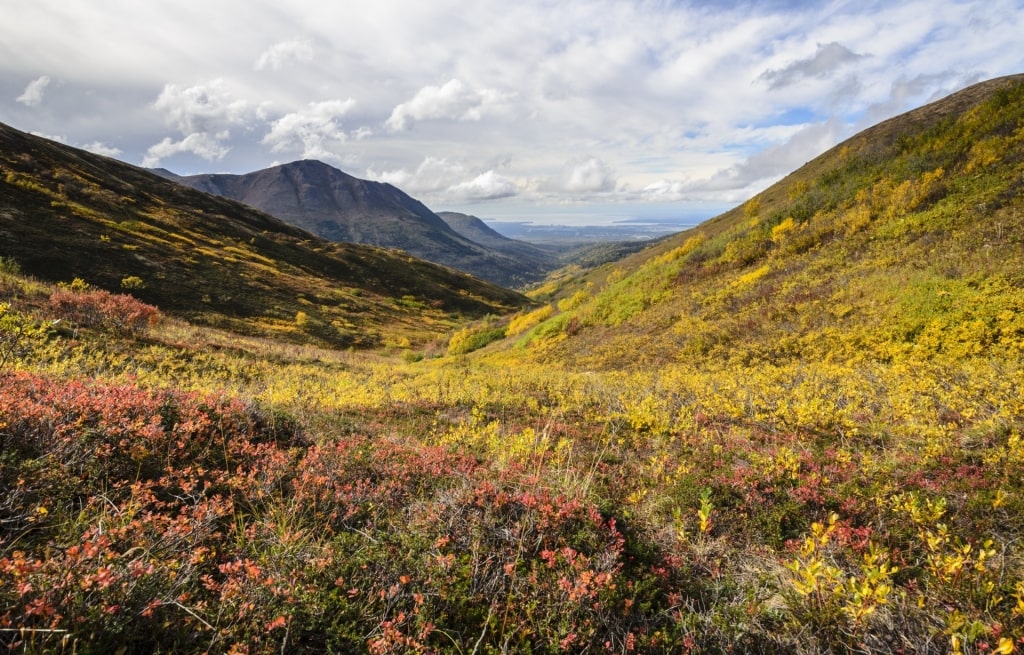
(336, 206)
(65, 213)
(904, 240)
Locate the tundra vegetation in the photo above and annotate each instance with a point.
(798, 428)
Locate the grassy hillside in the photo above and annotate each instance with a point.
(66, 213)
(903, 241)
(762, 436)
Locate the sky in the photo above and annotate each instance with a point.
(563, 111)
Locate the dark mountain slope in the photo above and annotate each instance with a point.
(906, 241)
(530, 256)
(67, 213)
(339, 207)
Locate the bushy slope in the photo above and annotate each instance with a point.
(66, 213)
(905, 240)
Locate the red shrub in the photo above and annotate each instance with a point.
(97, 308)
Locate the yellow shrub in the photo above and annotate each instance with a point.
(573, 301)
(524, 322)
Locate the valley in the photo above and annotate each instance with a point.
(793, 428)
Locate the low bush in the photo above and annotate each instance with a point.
(96, 308)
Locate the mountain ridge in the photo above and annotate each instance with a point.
(340, 207)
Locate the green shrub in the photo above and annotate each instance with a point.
(469, 339)
(10, 266)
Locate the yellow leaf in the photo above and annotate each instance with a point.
(1005, 646)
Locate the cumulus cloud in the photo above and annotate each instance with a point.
(201, 108)
(209, 147)
(204, 114)
(667, 190)
(454, 100)
(433, 174)
(33, 95)
(313, 128)
(101, 148)
(440, 178)
(361, 133)
(828, 59)
(486, 186)
(51, 137)
(279, 54)
(583, 175)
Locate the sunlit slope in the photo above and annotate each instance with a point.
(66, 213)
(904, 241)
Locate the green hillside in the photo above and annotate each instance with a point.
(66, 214)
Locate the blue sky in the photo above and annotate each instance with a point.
(531, 110)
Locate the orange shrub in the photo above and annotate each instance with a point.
(97, 308)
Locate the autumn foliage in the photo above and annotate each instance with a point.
(97, 308)
(797, 429)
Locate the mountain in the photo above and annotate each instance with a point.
(67, 213)
(905, 241)
(339, 207)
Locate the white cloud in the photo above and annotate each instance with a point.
(760, 169)
(279, 54)
(202, 108)
(361, 133)
(486, 186)
(441, 179)
(667, 190)
(102, 149)
(33, 95)
(209, 147)
(583, 175)
(314, 128)
(204, 114)
(454, 100)
(903, 90)
(51, 137)
(432, 175)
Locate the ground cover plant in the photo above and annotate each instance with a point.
(767, 435)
